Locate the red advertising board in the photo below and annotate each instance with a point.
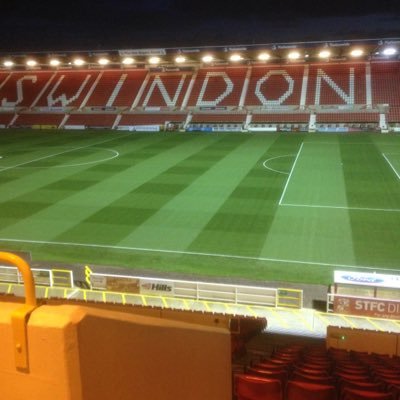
(368, 307)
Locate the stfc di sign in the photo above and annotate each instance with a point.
(367, 307)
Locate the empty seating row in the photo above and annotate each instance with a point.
(299, 372)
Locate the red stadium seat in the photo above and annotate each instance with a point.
(322, 380)
(256, 388)
(310, 391)
(282, 376)
(355, 394)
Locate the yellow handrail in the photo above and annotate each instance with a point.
(20, 317)
(25, 270)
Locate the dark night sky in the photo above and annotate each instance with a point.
(119, 24)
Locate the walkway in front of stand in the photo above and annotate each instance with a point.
(302, 322)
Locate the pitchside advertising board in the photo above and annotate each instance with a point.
(367, 306)
(127, 284)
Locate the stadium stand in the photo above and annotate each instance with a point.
(165, 90)
(106, 89)
(347, 117)
(275, 86)
(280, 118)
(354, 95)
(319, 372)
(218, 87)
(5, 119)
(69, 89)
(91, 120)
(218, 118)
(337, 84)
(22, 89)
(127, 88)
(43, 120)
(92, 351)
(148, 119)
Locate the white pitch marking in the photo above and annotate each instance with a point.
(290, 174)
(393, 168)
(353, 143)
(57, 154)
(274, 158)
(341, 207)
(115, 152)
(194, 253)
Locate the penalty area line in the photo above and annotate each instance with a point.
(194, 253)
(290, 174)
(391, 165)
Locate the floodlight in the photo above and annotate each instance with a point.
(128, 61)
(236, 57)
(31, 63)
(324, 54)
(79, 62)
(180, 59)
(103, 61)
(54, 62)
(356, 53)
(294, 55)
(389, 51)
(154, 60)
(264, 56)
(207, 58)
(8, 63)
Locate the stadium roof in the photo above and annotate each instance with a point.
(336, 51)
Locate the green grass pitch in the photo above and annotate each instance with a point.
(282, 207)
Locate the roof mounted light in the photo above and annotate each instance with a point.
(293, 55)
(207, 58)
(154, 60)
(54, 62)
(264, 56)
(31, 63)
(128, 61)
(235, 57)
(389, 51)
(78, 62)
(357, 53)
(324, 54)
(180, 59)
(103, 61)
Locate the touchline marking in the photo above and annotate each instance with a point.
(391, 166)
(341, 207)
(290, 174)
(354, 143)
(274, 158)
(192, 253)
(62, 152)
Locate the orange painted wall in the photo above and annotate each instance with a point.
(363, 340)
(83, 353)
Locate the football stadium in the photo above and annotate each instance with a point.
(236, 208)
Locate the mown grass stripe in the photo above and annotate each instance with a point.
(242, 222)
(130, 211)
(180, 221)
(371, 182)
(67, 213)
